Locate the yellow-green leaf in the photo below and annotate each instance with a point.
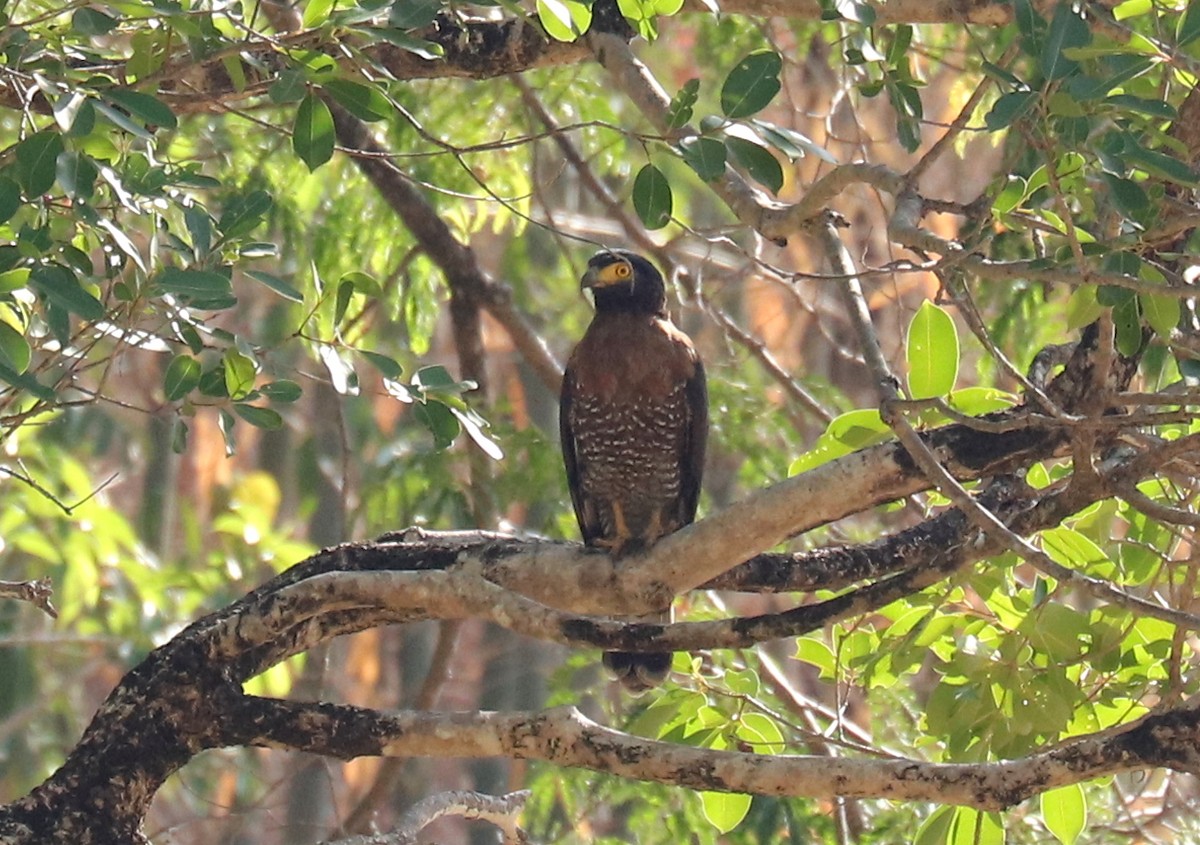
(932, 353)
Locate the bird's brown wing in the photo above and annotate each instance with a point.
(585, 512)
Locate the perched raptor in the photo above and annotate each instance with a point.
(634, 421)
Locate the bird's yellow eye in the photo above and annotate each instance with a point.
(623, 271)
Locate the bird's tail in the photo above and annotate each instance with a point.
(640, 671)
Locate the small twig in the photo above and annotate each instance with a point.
(36, 592)
(500, 810)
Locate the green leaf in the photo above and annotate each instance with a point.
(61, 287)
(243, 213)
(680, 112)
(276, 284)
(14, 279)
(200, 227)
(1067, 30)
(414, 14)
(757, 160)
(87, 21)
(149, 109)
(28, 383)
(817, 653)
(76, 174)
(316, 12)
(724, 810)
(312, 133)
(258, 417)
(363, 101)
(752, 84)
(290, 87)
(859, 428)
(761, 732)
(10, 198)
(442, 424)
(226, 422)
(283, 390)
(14, 349)
(1064, 810)
(932, 351)
(121, 120)
(345, 291)
(564, 20)
(388, 367)
(417, 46)
(240, 371)
(197, 284)
(1189, 25)
(704, 155)
(37, 158)
(181, 378)
(652, 197)
(1008, 109)
(791, 143)
(179, 433)
(1127, 320)
(1161, 312)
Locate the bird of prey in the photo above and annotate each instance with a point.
(633, 418)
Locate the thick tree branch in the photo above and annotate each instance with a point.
(567, 738)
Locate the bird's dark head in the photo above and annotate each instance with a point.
(624, 281)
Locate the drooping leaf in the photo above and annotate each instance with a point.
(37, 158)
(442, 424)
(652, 197)
(1064, 810)
(312, 132)
(316, 12)
(752, 84)
(932, 351)
(724, 810)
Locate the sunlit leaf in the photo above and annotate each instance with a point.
(1064, 810)
(724, 810)
(932, 352)
(652, 197)
(14, 349)
(240, 373)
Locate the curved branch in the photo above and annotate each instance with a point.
(566, 737)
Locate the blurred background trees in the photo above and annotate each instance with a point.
(238, 323)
